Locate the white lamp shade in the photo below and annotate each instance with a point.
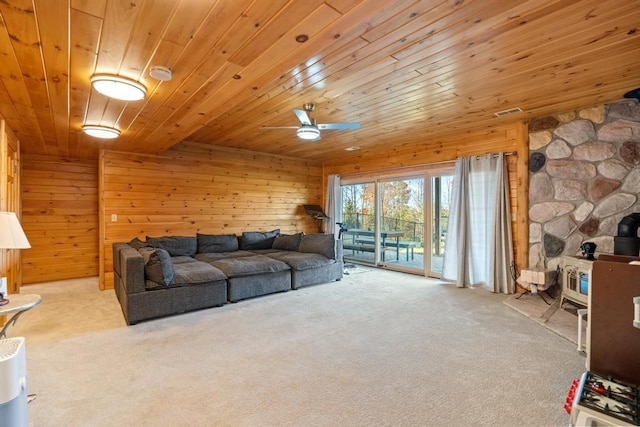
(11, 234)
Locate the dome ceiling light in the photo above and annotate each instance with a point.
(118, 87)
(102, 132)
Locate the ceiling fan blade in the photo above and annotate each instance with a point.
(302, 116)
(339, 126)
(278, 127)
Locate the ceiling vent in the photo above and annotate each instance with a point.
(508, 112)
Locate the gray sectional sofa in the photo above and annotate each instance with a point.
(174, 274)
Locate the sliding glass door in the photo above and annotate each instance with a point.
(358, 217)
(441, 188)
(401, 233)
(398, 223)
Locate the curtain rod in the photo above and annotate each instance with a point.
(421, 165)
(508, 153)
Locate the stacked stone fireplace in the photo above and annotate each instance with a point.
(584, 177)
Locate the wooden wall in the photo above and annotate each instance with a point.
(60, 218)
(199, 188)
(511, 138)
(10, 259)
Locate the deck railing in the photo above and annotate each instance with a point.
(412, 230)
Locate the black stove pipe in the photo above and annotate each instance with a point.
(628, 226)
(627, 241)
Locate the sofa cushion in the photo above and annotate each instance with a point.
(196, 272)
(175, 245)
(157, 265)
(208, 257)
(302, 261)
(136, 243)
(290, 242)
(323, 244)
(258, 239)
(249, 265)
(215, 243)
(175, 260)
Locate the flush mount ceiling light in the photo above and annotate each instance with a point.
(103, 132)
(308, 132)
(118, 87)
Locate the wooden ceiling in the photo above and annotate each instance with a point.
(406, 70)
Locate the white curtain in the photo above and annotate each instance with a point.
(333, 207)
(479, 248)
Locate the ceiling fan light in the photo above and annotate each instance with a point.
(308, 133)
(118, 87)
(103, 132)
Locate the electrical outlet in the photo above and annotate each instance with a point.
(114, 217)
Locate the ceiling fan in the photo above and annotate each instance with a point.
(309, 129)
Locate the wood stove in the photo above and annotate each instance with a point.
(576, 280)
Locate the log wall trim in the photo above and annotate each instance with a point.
(197, 188)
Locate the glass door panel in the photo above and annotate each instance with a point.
(401, 235)
(441, 189)
(358, 216)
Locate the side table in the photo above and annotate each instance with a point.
(18, 304)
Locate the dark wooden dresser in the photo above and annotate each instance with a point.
(614, 342)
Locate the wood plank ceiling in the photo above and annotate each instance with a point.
(406, 70)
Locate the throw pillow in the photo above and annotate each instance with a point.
(157, 265)
(287, 242)
(323, 244)
(136, 243)
(258, 239)
(175, 245)
(216, 243)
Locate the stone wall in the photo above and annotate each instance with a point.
(584, 177)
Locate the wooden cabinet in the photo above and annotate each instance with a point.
(614, 341)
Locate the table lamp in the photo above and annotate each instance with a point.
(11, 237)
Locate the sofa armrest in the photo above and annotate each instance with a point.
(130, 267)
(323, 244)
(339, 250)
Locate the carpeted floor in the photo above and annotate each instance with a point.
(547, 312)
(378, 348)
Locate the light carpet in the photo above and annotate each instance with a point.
(375, 349)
